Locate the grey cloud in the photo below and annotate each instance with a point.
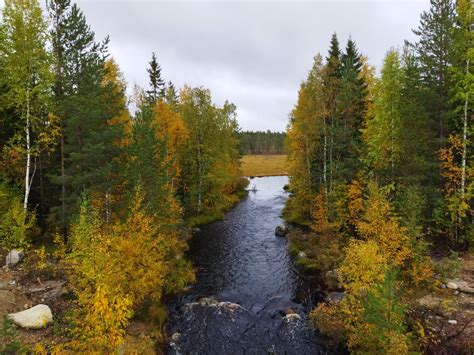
(253, 54)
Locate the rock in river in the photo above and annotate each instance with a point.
(281, 231)
(36, 317)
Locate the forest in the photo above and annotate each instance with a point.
(381, 175)
(258, 143)
(107, 194)
(101, 192)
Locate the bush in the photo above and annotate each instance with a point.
(449, 266)
(15, 222)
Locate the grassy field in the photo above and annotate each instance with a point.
(263, 165)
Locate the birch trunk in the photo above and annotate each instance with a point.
(28, 151)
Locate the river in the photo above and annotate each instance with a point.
(248, 297)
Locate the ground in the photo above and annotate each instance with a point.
(448, 314)
(21, 288)
(263, 165)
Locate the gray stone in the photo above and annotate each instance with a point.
(332, 280)
(14, 256)
(281, 231)
(36, 317)
(335, 297)
(453, 321)
(466, 289)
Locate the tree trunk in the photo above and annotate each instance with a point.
(325, 158)
(464, 139)
(63, 188)
(28, 152)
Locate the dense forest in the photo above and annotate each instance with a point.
(115, 191)
(381, 174)
(259, 142)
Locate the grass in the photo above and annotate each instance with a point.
(263, 165)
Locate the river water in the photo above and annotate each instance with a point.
(249, 297)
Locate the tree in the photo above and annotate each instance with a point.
(435, 50)
(157, 84)
(210, 157)
(27, 63)
(351, 100)
(383, 131)
(86, 103)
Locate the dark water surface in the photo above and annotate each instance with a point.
(246, 285)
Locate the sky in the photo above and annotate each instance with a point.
(252, 53)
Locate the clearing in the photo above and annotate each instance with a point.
(263, 165)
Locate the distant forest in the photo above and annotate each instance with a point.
(262, 142)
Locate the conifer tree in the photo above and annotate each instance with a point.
(83, 99)
(436, 51)
(157, 84)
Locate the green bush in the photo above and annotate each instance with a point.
(15, 222)
(449, 266)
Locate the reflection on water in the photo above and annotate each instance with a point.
(240, 260)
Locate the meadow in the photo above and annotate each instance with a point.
(263, 165)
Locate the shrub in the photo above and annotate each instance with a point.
(15, 222)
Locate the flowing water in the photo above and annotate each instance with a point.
(249, 297)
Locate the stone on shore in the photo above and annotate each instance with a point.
(36, 317)
(14, 256)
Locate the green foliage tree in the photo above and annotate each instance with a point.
(27, 65)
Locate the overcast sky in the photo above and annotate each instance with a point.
(254, 54)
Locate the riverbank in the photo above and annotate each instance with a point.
(440, 313)
(225, 205)
(28, 284)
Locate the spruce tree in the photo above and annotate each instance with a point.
(157, 84)
(351, 101)
(84, 101)
(436, 52)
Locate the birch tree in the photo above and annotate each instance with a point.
(27, 63)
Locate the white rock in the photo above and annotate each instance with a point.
(176, 337)
(452, 285)
(292, 317)
(36, 317)
(453, 321)
(302, 255)
(13, 257)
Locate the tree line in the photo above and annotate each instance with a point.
(381, 169)
(115, 191)
(262, 142)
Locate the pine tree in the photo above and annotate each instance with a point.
(157, 84)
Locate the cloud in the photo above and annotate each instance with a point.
(254, 54)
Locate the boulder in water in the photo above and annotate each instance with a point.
(208, 301)
(292, 317)
(281, 231)
(14, 256)
(36, 317)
